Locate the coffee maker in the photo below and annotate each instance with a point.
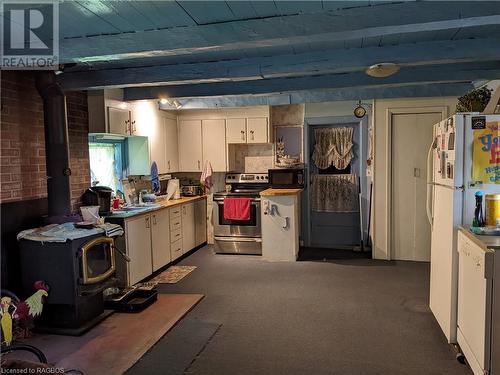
(98, 196)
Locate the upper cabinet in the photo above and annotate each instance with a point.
(190, 146)
(236, 130)
(108, 113)
(247, 130)
(257, 130)
(119, 120)
(171, 146)
(214, 144)
(161, 129)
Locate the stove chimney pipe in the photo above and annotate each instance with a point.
(56, 144)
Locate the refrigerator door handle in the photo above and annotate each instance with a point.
(430, 172)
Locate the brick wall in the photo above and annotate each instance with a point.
(22, 154)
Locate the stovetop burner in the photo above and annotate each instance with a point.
(245, 184)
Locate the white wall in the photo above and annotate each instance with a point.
(381, 214)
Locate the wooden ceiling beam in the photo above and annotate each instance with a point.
(340, 25)
(311, 63)
(441, 73)
(317, 96)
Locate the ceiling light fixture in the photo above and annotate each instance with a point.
(382, 70)
(177, 104)
(164, 101)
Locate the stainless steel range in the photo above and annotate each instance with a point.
(240, 236)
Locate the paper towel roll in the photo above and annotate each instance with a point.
(173, 189)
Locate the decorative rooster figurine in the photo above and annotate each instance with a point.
(30, 308)
(6, 321)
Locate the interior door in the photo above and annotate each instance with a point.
(411, 232)
(336, 229)
(190, 146)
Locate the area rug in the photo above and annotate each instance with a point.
(173, 274)
(113, 346)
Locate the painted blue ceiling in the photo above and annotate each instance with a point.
(222, 48)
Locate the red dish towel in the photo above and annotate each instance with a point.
(237, 208)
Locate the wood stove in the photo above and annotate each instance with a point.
(77, 272)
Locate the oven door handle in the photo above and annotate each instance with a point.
(238, 239)
(221, 200)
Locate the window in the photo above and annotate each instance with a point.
(106, 164)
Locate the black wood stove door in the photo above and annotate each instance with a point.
(97, 260)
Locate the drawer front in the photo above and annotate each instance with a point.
(175, 235)
(175, 223)
(175, 212)
(176, 249)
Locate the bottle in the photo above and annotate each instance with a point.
(478, 212)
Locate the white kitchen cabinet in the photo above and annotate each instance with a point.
(171, 147)
(138, 233)
(190, 146)
(200, 221)
(214, 144)
(188, 227)
(247, 130)
(119, 120)
(160, 238)
(257, 130)
(236, 130)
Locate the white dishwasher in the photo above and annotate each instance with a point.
(479, 304)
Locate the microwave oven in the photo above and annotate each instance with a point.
(286, 178)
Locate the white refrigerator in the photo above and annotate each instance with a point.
(450, 203)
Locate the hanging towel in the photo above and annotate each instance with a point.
(237, 208)
(155, 180)
(206, 176)
(335, 193)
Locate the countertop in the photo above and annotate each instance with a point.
(271, 192)
(486, 242)
(158, 205)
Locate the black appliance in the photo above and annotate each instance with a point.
(77, 272)
(286, 178)
(98, 196)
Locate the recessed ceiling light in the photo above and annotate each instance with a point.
(382, 70)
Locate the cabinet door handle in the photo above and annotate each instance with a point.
(251, 134)
(147, 222)
(242, 135)
(154, 219)
(169, 165)
(126, 126)
(199, 165)
(132, 127)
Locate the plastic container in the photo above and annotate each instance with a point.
(492, 209)
(90, 213)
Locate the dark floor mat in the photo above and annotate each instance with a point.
(178, 350)
(322, 254)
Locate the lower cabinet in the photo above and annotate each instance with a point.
(188, 228)
(160, 238)
(200, 222)
(138, 231)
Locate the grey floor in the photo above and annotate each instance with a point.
(346, 316)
